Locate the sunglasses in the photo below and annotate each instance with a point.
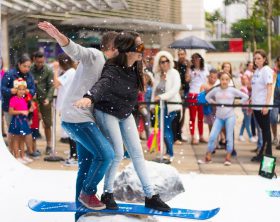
(139, 48)
(163, 62)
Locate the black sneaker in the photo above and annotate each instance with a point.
(64, 140)
(156, 203)
(233, 153)
(109, 201)
(257, 158)
(48, 150)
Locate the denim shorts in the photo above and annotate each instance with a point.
(274, 115)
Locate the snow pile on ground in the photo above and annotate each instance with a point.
(165, 178)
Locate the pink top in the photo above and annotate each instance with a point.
(19, 104)
(2, 72)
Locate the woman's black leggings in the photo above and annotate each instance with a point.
(264, 123)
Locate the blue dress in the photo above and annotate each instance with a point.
(19, 125)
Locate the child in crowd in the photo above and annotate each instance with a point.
(209, 115)
(34, 126)
(19, 126)
(225, 116)
(247, 112)
(63, 83)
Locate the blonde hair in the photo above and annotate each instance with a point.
(20, 82)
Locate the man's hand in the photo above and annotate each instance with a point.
(46, 102)
(265, 110)
(49, 28)
(83, 103)
(13, 90)
(52, 31)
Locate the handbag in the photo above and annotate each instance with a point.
(153, 142)
(202, 100)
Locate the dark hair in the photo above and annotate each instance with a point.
(227, 63)
(23, 58)
(201, 61)
(248, 63)
(123, 42)
(184, 50)
(38, 54)
(65, 61)
(278, 62)
(263, 54)
(107, 40)
(214, 71)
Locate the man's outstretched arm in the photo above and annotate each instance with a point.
(52, 31)
(74, 50)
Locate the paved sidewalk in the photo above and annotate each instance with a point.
(185, 160)
(186, 156)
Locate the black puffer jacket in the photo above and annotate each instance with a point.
(116, 91)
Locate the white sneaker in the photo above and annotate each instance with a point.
(21, 161)
(253, 140)
(227, 163)
(27, 159)
(71, 162)
(241, 138)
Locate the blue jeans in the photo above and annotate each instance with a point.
(246, 123)
(95, 154)
(228, 123)
(123, 132)
(168, 133)
(259, 132)
(274, 112)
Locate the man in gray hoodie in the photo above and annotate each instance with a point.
(95, 153)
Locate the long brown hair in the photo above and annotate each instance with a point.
(263, 54)
(124, 42)
(227, 63)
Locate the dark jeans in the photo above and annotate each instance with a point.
(264, 123)
(176, 126)
(253, 127)
(95, 155)
(73, 148)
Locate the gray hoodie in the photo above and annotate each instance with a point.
(91, 62)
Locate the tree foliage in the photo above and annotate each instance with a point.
(249, 29)
(211, 19)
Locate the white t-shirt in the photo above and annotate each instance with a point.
(261, 78)
(198, 77)
(65, 81)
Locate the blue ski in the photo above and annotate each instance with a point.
(47, 206)
(274, 193)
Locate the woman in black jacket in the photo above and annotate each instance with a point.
(114, 97)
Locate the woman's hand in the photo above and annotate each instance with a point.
(264, 110)
(83, 103)
(13, 90)
(157, 98)
(25, 113)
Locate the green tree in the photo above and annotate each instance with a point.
(265, 9)
(211, 19)
(251, 30)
